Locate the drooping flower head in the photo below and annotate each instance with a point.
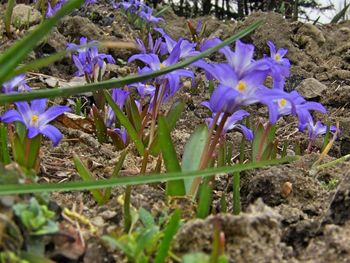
(36, 118)
(17, 84)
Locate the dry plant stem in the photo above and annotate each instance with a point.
(209, 150)
(153, 118)
(262, 141)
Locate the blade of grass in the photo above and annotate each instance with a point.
(10, 59)
(8, 16)
(176, 187)
(135, 180)
(65, 92)
(5, 153)
(85, 174)
(169, 233)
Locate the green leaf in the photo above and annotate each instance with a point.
(146, 218)
(169, 234)
(177, 187)
(172, 117)
(5, 152)
(205, 198)
(193, 152)
(258, 134)
(51, 93)
(126, 123)
(341, 14)
(85, 174)
(133, 113)
(10, 59)
(134, 180)
(8, 16)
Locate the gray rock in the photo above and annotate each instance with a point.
(25, 16)
(311, 88)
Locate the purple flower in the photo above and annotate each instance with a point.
(279, 65)
(123, 134)
(147, 16)
(36, 118)
(154, 47)
(144, 89)
(51, 11)
(17, 84)
(317, 129)
(281, 103)
(231, 122)
(88, 61)
(119, 96)
(187, 48)
(171, 80)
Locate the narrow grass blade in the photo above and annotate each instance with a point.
(177, 187)
(205, 198)
(126, 123)
(135, 180)
(8, 16)
(169, 233)
(193, 152)
(85, 174)
(339, 15)
(10, 59)
(5, 153)
(51, 93)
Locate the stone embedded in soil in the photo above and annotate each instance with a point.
(254, 236)
(339, 210)
(25, 15)
(311, 88)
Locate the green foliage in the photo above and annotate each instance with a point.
(9, 256)
(148, 240)
(340, 15)
(36, 218)
(330, 185)
(193, 152)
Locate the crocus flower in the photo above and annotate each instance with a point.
(17, 84)
(316, 129)
(119, 97)
(36, 118)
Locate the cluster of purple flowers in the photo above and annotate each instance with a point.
(89, 62)
(54, 6)
(34, 116)
(241, 82)
(138, 8)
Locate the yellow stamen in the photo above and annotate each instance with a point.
(282, 103)
(162, 66)
(241, 86)
(35, 118)
(277, 57)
